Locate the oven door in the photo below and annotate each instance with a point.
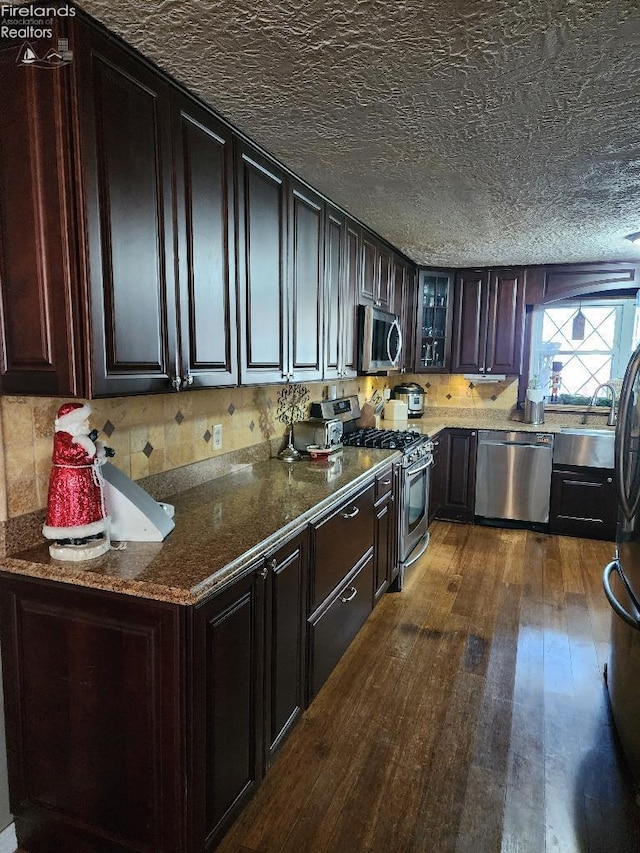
(414, 517)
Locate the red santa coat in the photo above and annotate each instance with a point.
(75, 506)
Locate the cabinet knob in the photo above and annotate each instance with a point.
(488, 370)
(187, 380)
(273, 564)
(351, 514)
(473, 435)
(176, 382)
(609, 479)
(353, 591)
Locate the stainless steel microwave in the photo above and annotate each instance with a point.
(380, 339)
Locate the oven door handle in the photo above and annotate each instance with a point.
(426, 465)
(416, 556)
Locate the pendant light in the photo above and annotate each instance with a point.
(577, 327)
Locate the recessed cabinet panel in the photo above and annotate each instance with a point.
(94, 698)
(261, 272)
(305, 253)
(204, 183)
(505, 321)
(37, 353)
(333, 284)
(132, 209)
(469, 335)
(227, 749)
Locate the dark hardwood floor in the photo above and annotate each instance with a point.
(469, 715)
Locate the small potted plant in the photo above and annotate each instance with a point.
(535, 391)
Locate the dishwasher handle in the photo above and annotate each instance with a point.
(487, 443)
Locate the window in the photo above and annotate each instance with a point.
(570, 369)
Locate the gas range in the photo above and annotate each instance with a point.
(413, 445)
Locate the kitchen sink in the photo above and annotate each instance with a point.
(584, 446)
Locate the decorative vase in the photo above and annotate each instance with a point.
(536, 395)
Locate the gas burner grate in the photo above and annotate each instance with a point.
(384, 439)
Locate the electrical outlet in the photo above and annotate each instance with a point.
(217, 436)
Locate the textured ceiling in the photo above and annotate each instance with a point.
(465, 133)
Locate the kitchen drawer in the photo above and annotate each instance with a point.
(384, 484)
(333, 628)
(339, 542)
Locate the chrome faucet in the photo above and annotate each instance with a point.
(611, 420)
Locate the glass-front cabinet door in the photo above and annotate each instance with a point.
(433, 334)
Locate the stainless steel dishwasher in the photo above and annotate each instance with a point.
(513, 476)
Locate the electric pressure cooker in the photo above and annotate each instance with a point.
(413, 395)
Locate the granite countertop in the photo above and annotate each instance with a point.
(221, 527)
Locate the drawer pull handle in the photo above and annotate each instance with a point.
(350, 597)
(353, 514)
(385, 482)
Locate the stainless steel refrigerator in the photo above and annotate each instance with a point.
(622, 576)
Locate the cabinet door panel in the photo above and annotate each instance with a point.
(385, 287)
(370, 280)
(349, 315)
(37, 279)
(204, 181)
(124, 108)
(286, 644)
(583, 503)
(505, 320)
(469, 329)
(306, 284)
(94, 715)
(334, 289)
(261, 271)
(458, 483)
(228, 703)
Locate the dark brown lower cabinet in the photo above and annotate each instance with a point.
(583, 503)
(385, 533)
(225, 742)
(436, 479)
(138, 725)
(285, 647)
(95, 716)
(334, 625)
(457, 463)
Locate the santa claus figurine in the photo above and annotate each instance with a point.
(76, 517)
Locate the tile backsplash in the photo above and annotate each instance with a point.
(157, 433)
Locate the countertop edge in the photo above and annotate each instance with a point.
(73, 575)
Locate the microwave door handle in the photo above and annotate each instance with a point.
(622, 439)
(395, 360)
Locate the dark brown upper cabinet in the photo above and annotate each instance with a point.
(432, 351)
(40, 306)
(129, 290)
(206, 272)
(376, 283)
(342, 243)
(262, 285)
(404, 305)
(306, 282)
(280, 273)
(157, 175)
(488, 321)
